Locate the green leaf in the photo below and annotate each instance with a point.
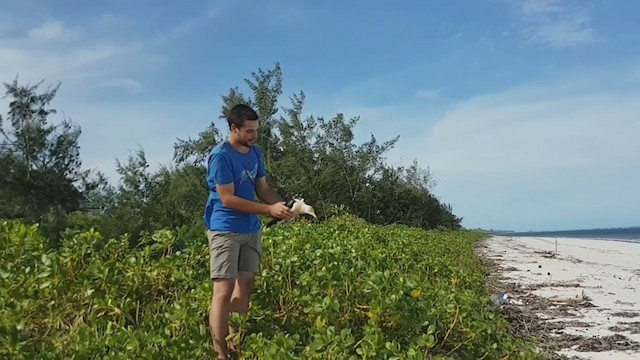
(45, 260)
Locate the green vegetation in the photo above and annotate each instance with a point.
(342, 289)
(92, 269)
(42, 179)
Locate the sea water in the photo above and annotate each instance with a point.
(622, 234)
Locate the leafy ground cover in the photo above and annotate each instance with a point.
(342, 289)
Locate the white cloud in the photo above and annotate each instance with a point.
(429, 94)
(570, 32)
(103, 52)
(123, 83)
(189, 25)
(88, 67)
(84, 64)
(555, 22)
(75, 65)
(112, 21)
(564, 151)
(52, 30)
(537, 7)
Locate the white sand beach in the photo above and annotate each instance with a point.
(585, 298)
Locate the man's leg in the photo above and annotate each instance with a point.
(219, 314)
(224, 250)
(239, 303)
(248, 265)
(245, 283)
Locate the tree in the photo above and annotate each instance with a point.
(196, 150)
(318, 159)
(39, 161)
(305, 155)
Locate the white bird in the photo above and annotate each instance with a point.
(298, 207)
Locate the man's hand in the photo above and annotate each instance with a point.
(280, 211)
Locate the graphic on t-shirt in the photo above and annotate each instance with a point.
(249, 174)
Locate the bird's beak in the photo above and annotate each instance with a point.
(312, 212)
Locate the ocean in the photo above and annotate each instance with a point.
(622, 234)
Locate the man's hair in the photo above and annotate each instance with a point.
(239, 114)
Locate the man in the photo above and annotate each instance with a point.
(235, 174)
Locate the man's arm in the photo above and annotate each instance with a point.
(266, 192)
(222, 178)
(230, 200)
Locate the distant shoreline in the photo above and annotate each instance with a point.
(630, 234)
(577, 237)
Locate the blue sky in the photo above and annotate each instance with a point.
(526, 111)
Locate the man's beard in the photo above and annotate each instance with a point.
(248, 143)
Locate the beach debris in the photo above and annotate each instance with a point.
(504, 298)
(566, 300)
(625, 314)
(607, 343)
(555, 284)
(536, 317)
(630, 327)
(546, 254)
(625, 303)
(579, 300)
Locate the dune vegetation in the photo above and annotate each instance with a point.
(341, 289)
(118, 268)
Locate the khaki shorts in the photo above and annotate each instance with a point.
(232, 252)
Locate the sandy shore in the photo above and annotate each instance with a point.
(582, 302)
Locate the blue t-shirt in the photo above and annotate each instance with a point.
(226, 165)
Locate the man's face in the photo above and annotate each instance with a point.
(248, 134)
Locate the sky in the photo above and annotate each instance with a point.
(525, 111)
